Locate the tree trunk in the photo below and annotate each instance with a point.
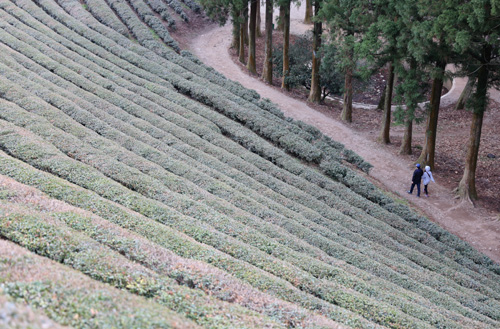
(281, 19)
(346, 114)
(381, 102)
(467, 186)
(309, 12)
(464, 96)
(315, 92)
(258, 31)
(286, 46)
(267, 71)
(426, 158)
(235, 44)
(384, 136)
(407, 137)
(241, 56)
(245, 25)
(251, 46)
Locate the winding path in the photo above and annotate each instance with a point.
(476, 226)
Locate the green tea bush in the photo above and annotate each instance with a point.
(71, 298)
(50, 238)
(103, 13)
(204, 168)
(164, 236)
(160, 8)
(134, 186)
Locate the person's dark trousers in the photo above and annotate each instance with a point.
(425, 190)
(418, 188)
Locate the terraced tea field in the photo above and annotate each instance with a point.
(142, 189)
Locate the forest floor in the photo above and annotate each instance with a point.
(479, 225)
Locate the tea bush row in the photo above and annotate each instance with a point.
(72, 298)
(148, 16)
(193, 274)
(138, 30)
(17, 315)
(51, 238)
(159, 7)
(54, 135)
(111, 150)
(203, 233)
(105, 15)
(170, 239)
(198, 89)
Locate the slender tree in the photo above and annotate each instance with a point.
(475, 28)
(235, 43)
(346, 114)
(309, 12)
(431, 46)
(427, 155)
(409, 93)
(381, 101)
(280, 21)
(383, 45)
(347, 21)
(258, 31)
(384, 136)
(252, 68)
(267, 71)
(246, 37)
(286, 44)
(469, 33)
(467, 187)
(465, 95)
(241, 48)
(315, 92)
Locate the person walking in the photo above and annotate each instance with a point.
(416, 179)
(426, 179)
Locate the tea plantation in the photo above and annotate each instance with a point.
(141, 189)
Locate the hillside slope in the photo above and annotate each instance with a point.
(139, 188)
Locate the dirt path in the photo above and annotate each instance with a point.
(476, 226)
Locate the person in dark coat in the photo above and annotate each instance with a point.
(416, 179)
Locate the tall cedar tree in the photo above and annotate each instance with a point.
(384, 136)
(286, 43)
(347, 20)
(475, 26)
(309, 12)
(315, 92)
(267, 71)
(409, 93)
(382, 45)
(252, 68)
(243, 32)
(431, 46)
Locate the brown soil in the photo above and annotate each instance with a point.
(478, 225)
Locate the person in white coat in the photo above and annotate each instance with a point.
(426, 179)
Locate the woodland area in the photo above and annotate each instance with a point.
(412, 42)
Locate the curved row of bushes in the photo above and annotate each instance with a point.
(374, 255)
(198, 166)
